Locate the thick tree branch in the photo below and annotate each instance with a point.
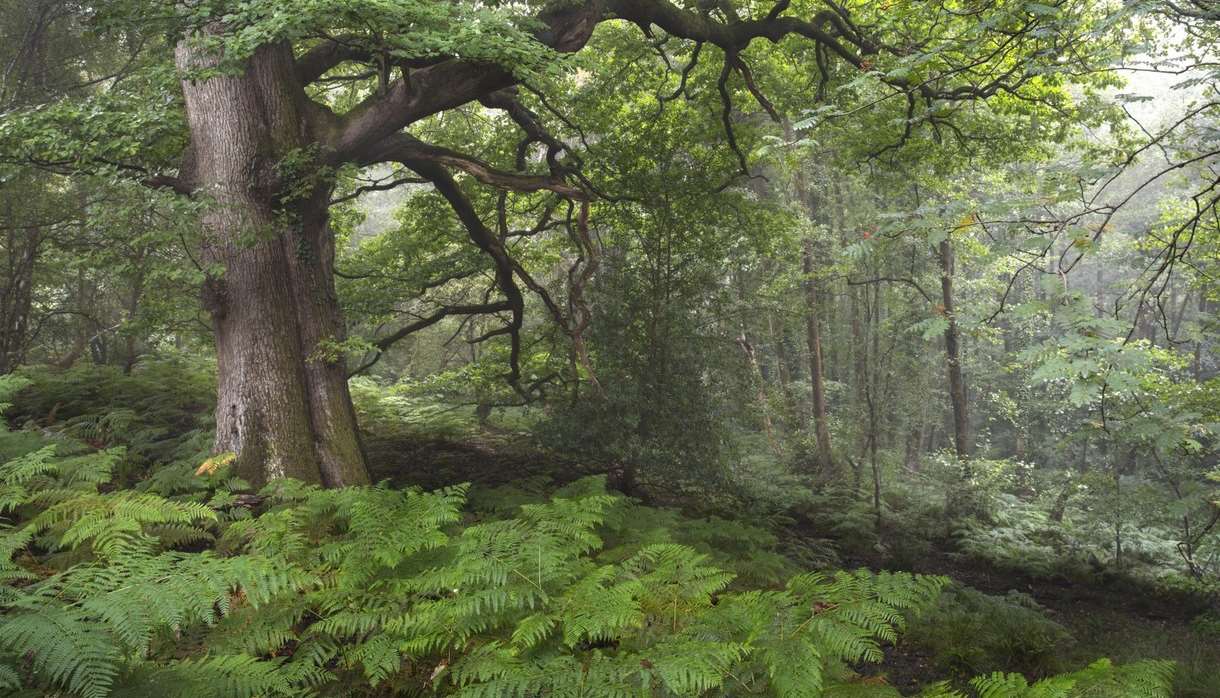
(389, 340)
(383, 343)
(329, 54)
(402, 147)
(380, 185)
(491, 245)
(566, 28)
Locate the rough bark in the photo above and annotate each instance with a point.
(283, 407)
(953, 362)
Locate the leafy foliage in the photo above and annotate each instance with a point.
(365, 587)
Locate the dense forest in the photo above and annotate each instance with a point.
(559, 348)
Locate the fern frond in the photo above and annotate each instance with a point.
(10, 680)
(29, 466)
(222, 676)
(1146, 679)
(64, 648)
(688, 666)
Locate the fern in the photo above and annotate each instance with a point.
(1146, 679)
(361, 590)
(62, 645)
(10, 385)
(223, 676)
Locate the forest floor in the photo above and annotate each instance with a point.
(1110, 618)
(490, 459)
(1114, 619)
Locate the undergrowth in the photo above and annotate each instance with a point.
(124, 576)
(359, 590)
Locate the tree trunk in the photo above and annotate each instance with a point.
(859, 349)
(814, 338)
(134, 296)
(283, 404)
(957, 386)
(783, 371)
(1178, 317)
(764, 404)
(16, 292)
(1196, 367)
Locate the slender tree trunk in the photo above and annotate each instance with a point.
(858, 299)
(1118, 518)
(283, 404)
(859, 348)
(1100, 281)
(1061, 501)
(783, 371)
(957, 386)
(764, 404)
(933, 438)
(871, 449)
(1196, 367)
(783, 374)
(814, 339)
(16, 292)
(135, 295)
(876, 470)
(909, 460)
(1178, 317)
(919, 437)
(813, 335)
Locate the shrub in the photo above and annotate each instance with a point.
(970, 633)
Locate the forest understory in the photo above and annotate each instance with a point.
(1104, 615)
